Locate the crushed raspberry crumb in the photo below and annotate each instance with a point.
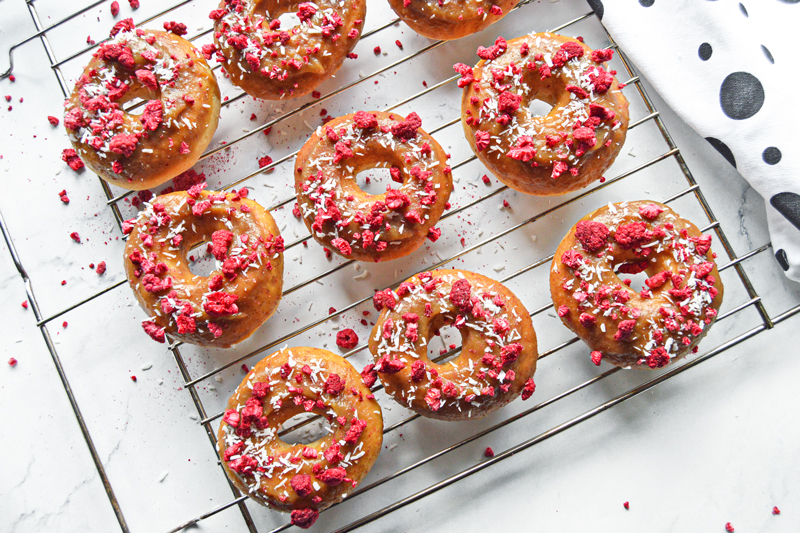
(494, 51)
(488, 452)
(114, 8)
(399, 44)
(592, 235)
(75, 237)
(631, 235)
(101, 268)
(776, 511)
(626, 505)
(728, 527)
(650, 211)
(597, 357)
(528, 389)
(304, 518)
(53, 121)
(407, 129)
(70, 157)
(13, 362)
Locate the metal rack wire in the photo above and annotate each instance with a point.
(191, 382)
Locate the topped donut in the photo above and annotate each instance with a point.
(362, 226)
(273, 63)
(678, 303)
(176, 124)
(547, 155)
(453, 19)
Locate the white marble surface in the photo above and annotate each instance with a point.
(715, 444)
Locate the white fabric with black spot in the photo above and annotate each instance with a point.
(728, 69)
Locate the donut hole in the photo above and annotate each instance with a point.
(373, 181)
(288, 21)
(304, 428)
(443, 336)
(539, 108)
(133, 101)
(204, 263)
(635, 272)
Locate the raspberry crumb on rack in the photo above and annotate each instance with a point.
(133, 378)
(134, 4)
(13, 362)
(488, 452)
(399, 44)
(64, 324)
(63, 282)
(70, 157)
(53, 121)
(25, 304)
(596, 358)
(245, 369)
(264, 161)
(114, 8)
(101, 268)
(729, 527)
(376, 50)
(63, 196)
(776, 511)
(75, 237)
(626, 505)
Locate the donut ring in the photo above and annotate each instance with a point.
(498, 354)
(565, 150)
(233, 301)
(272, 64)
(451, 20)
(666, 320)
(366, 227)
(301, 479)
(177, 122)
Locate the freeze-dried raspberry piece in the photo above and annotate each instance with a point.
(528, 389)
(597, 357)
(301, 484)
(650, 211)
(134, 4)
(342, 152)
(482, 139)
(587, 320)
(178, 28)
(631, 235)
(592, 235)
(356, 429)
(601, 80)
(156, 333)
(342, 245)
(346, 339)
(460, 294)
(305, 11)
(147, 78)
(654, 282)
(434, 399)
(624, 329)
(334, 385)
(703, 244)
(407, 129)
(304, 518)
(417, 371)
(584, 136)
(220, 240)
(369, 375)
(332, 476)
(494, 51)
(658, 358)
(73, 119)
(122, 26)
(577, 91)
(114, 8)
(186, 322)
(390, 366)
(184, 181)
(365, 120)
(467, 74)
(70, 157)
(221, 304)
(604, 113)
(510, 352)
(572, 259)
(601, 56)
(524, 149)
(153, 115)
(559, 167)
(243, 465)
(384, 298)
(566, 52)
(123, 144)
(508, 102)
(397, 200)
(155, 284)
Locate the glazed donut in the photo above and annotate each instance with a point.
(558, 153)
(140, 151)
(452, 19)
(272, 64)
(365, 227)
(303, 479)
(498, 354)
(675, 308)
(233, 301)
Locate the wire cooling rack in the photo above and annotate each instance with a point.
(731, 266)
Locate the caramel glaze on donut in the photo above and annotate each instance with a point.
(453, 19)
(273, 64)
(647, 329)
(168, 134)
(498, 354)
(574, 143)
(233, 301)
(303, 479)
(367, 227)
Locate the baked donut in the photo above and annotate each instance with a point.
(574, 143)
(229, 304)
(303, 479)
(453, 19)
(272, 64)
(498, 354)
(361, 226)
(673, 311)
(140, 149)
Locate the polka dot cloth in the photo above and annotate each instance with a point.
(728, 68)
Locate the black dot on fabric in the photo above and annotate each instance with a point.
(768, 53)
(723, 149)
(741, 95)
(788, 205)
(705, 51)
(783, 261)
(647, 3)
(743, 10)
(597, 7)
(771, 156)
